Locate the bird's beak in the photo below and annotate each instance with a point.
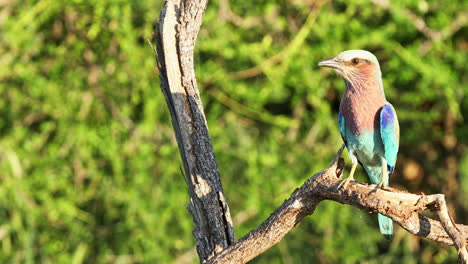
(330, 63)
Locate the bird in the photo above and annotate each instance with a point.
(367, 122)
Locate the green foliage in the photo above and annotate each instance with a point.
(90, 171)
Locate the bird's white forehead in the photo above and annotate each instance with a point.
(363, 54)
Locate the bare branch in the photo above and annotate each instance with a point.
(180, 22)
(451, 228)
(404, 208)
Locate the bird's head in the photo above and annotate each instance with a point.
(354, 65)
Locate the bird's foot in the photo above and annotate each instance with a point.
(345, 182)
(381, 185)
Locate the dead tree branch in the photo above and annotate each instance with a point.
(404, 208)
(175, 36)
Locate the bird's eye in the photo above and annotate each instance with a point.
(355, 61)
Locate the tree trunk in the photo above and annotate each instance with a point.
(175, 35)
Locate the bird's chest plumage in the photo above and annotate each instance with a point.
(361, 113)
(361, 110)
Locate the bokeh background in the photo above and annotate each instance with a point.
(89, 167)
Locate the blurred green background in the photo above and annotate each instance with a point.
(89, 167)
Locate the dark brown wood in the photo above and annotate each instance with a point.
(175, 36)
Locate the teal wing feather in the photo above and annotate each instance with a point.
(390, 133)
(342, 127)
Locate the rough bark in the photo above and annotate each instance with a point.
(175, 36)
(403, 207)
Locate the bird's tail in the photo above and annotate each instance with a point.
(385, 223)
(386, 226)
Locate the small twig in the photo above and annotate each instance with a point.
(152, 46)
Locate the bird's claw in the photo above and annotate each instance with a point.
(345, 182)
(380, 185)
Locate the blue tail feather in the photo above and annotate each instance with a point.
(386, 226)
(385, 223)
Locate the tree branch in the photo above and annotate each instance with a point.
(175, 35)
(403, 207)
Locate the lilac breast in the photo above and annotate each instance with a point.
(360, 109)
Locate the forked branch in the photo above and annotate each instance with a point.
(403, 207)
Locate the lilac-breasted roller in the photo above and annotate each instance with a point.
(367, 121)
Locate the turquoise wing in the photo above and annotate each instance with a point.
(390, 133)
(342, 127)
